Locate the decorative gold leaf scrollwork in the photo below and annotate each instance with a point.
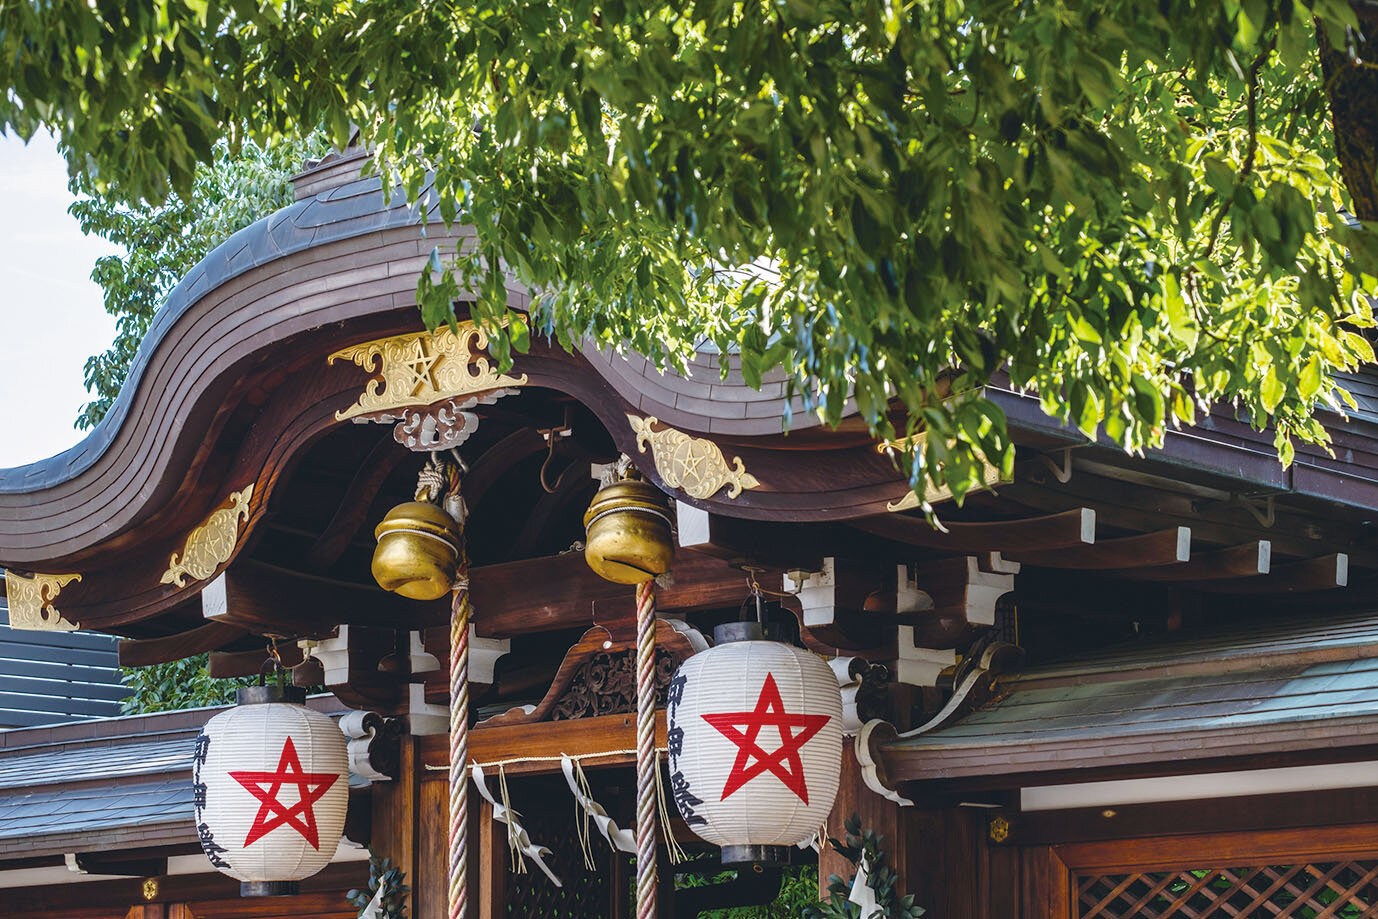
(421, 368)
(692, 464)
(212, 543)
(31, 599)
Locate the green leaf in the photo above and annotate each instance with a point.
(1181, 323)
(1272, 390)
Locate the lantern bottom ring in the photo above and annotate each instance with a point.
(757, 855)
(269, 888)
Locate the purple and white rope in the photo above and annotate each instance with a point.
(646, 760)
(459, 742)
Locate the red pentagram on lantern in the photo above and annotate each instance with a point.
(272, 813)
(784, 763)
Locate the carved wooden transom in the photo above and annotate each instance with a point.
(606, 685)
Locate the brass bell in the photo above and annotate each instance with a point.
(418, 551)
(628, 533)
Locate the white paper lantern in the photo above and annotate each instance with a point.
(755, 742)
(271, 785)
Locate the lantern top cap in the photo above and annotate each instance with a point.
(748, 631)
(259, 695)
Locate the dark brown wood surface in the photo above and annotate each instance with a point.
(1280, 846)
(1246, 813)
(1243, 561)
(609, 740)
(209, 637)
(1076, 527)
(1161, 547)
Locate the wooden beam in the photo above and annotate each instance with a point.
(608, 740)
(562, 592)
(230, 664)
(1246, 814)
(356, 502)
(266, 600)
(1246, 561)
(1146, 508)
(748, 541)
(1164, 547)
(1325, 573)
(1076, 527)
(141, 652)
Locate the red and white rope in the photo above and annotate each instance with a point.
(459, 742)
(646, 760)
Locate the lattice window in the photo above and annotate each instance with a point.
(1329, 890)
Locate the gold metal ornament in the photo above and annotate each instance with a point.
(150, 888)
(421, 368)
(212, 543)
(692, 464)
(31, 599)
(999, 828)
(628, 533)
(418, 551)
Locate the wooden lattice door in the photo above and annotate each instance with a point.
(1341, 889)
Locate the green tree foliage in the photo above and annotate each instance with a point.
(798, 889)
(1131, 207)
(162, 242)
(173, 686)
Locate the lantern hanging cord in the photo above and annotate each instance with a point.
(756, 589)
(646, 758)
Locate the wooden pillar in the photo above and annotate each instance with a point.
(487, 854)
(877, 814)
(490, 871)
(394, 830)
(1046, 884)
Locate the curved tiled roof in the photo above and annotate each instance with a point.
(341, 213)
(1285, 686)
(704, 402)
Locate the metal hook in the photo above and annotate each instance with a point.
(551, 435)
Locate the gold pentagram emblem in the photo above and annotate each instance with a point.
(694, 464)
(420, 365)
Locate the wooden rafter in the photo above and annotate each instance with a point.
(1076, 527)
(1325, 573)
(1163, 547)
(354, 505)
(141, 652)
(1244, 561)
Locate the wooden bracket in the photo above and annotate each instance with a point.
(374, 745)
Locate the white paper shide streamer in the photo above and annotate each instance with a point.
(861, 893)
(521, 843)
(270, 788)
(620, 839)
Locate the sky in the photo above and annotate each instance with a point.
(51, 314)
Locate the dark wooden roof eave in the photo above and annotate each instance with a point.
(935, 768)
(1231, 451)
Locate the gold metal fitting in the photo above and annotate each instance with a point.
(418, 551)
(628, 533)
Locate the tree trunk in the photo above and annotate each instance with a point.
(1352, 87)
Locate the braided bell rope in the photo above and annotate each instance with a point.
(646, 759)
(459, 743)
